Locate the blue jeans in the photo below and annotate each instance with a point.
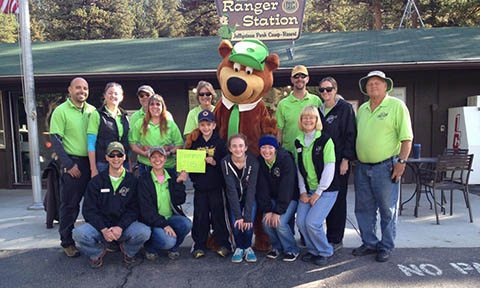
(281, 238)
(92, 243)
(310, 223)
(374, 191)
(161, 241)
(243, 239)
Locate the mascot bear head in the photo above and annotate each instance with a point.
(246, 72)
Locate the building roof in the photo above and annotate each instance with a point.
(332, 51)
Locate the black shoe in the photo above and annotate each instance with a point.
(290, 257)
(309, 257)
(273, 254)
(363, 250)
(320, 260)
(383, 256)
(97, 262)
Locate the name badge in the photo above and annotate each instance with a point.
(105, 190)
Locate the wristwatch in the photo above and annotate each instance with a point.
(401, 161)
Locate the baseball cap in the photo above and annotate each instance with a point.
(154, 149)
(206, 115)
(146, 88)
(251, 53)
(115, 146)
(299, 69)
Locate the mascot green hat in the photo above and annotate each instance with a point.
(251, 53)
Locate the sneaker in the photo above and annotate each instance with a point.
(223, 251)
(173, 255)
(290, 257)
(238, 255)
(150, 256)
(363, 250)
(273, 254)
(198, 253)
(383, 256)
(250, 255)
(97, 262)
(309, 257)
(126, 259)
(320, 260)
(337, 246)
(71, 251)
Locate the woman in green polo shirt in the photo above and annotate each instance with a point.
(155, 130)
(205, 96)
(315, 159)
(105, 125)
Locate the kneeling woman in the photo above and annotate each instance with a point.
(316, 168)
(277, 195)
(240, 171)
(160, 195)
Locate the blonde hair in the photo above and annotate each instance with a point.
(310, 111)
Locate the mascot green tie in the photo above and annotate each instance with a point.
(234, 121)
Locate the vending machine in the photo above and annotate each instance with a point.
(464, 133)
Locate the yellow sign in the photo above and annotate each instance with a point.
(191, 161)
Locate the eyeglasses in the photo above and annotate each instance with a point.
(113, 155)
(143, 95)
(158, 104)
(300, 75)
(309, 118)
(204, 94)
(328, 89)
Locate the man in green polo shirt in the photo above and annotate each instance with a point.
(384, 141)
(68, 133)
(289, 108)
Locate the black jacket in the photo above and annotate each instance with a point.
(212, 178)
(241, 191)
(278, 183)
(340, 124)
(317, 158)
(148, 199)
(103, 207)
(108, 132)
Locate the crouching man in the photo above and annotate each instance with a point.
(110, 209)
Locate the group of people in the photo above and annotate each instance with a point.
(302, 170)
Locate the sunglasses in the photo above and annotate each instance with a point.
(300, 75)
(143, 95)
(156, 104)
(204, 94)
(328, 89)
(113, 155)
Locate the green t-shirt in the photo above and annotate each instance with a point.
(173, 137)
(71, 123)
(380, 133)
(163, 195)
(116, 183)
(94, 123)
(140, 114)
(328, 157)
(288, 112)
(192, 119)
(327, 110)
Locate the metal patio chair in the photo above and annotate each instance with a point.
(452, 172)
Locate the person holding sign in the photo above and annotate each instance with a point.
(277, 194)
(155, 129)
(160, 195)
(315, 159)
(208, 205)
(240, 170)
